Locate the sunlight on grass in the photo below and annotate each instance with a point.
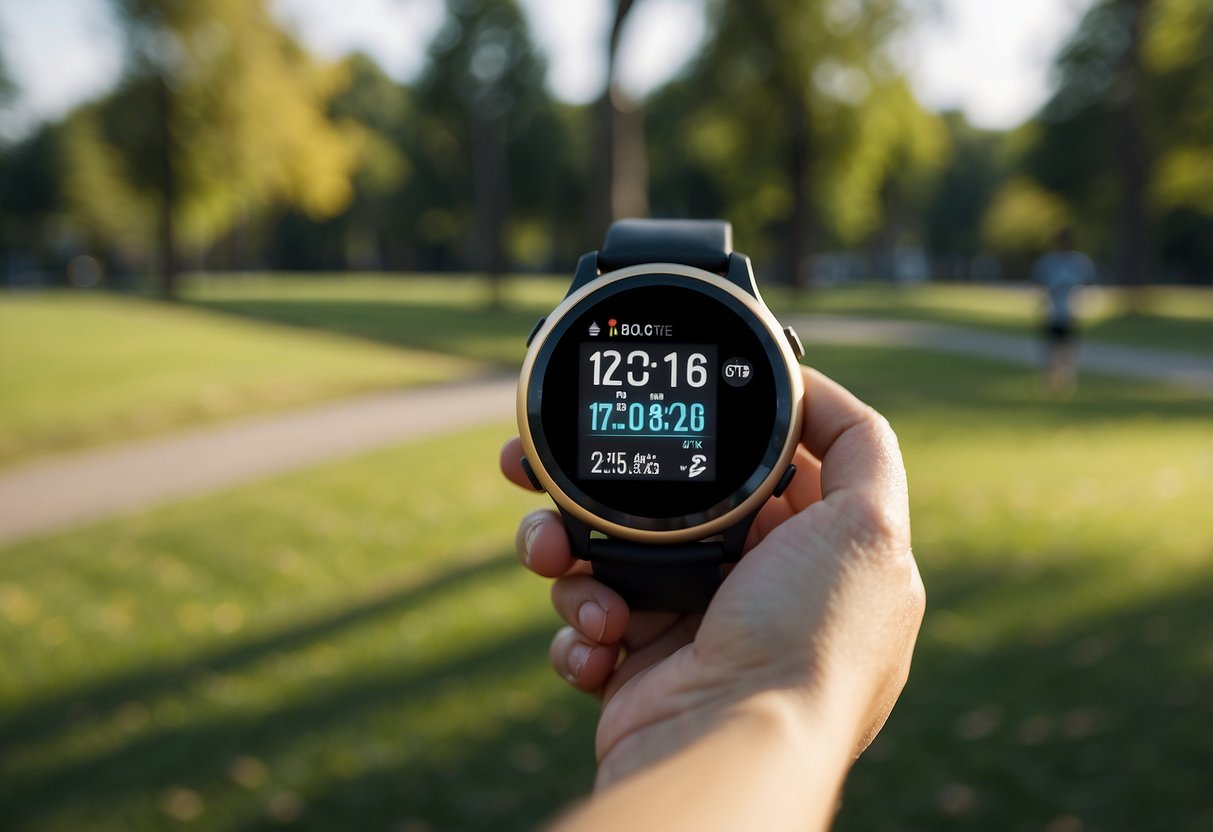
(323, 641)
(447, 314)
(1159, 317)
(1063, 674)
(82, 369)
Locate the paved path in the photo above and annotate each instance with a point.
(1194, 372)
(56, 493)
(53, 494)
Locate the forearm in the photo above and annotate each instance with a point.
(768, 766)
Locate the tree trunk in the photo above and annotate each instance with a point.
(604, 153)
(630, 165)
(794, 248)
(1133, 160)
(168, 190)
(599, 209)
(491, 177)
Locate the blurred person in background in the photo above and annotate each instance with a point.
(1061, 272)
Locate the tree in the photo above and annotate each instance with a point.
(1127, 137)
(31, 202)
(770, 122)
(481, 94)
(958, 200)
(619, 166)
(372, 232)
(232, 117)
(8, 90)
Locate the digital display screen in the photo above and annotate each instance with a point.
(656, 382)
(648, 411)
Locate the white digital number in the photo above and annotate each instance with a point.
(606, 379)
(643, 362)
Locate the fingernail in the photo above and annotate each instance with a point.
(592, 619)
(528, 540)
(578, 656)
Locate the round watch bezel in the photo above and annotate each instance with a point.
(679, 528)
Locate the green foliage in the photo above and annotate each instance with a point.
(237, 107)
(794, 122)
(1078, 150)
(897, 154)
(1023, 217)
(491, 144)
(30, 188)
(965, 187)
(1178, 53)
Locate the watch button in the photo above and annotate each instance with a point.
(534, 329)
(794, 340)
(784, 481)
(530, 475)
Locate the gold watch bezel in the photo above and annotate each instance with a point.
(716, 525)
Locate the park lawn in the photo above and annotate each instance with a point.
(79, 369)
(354, 646)
(450, 314)
(1165, 317)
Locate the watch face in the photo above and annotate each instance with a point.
(659, 402)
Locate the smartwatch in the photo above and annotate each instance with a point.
(660, 406)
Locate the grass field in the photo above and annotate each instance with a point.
(83, 369)
(447, 314)
(354, 647)
(435, 312)
(1159, 317)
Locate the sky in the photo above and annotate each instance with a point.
(990, 58)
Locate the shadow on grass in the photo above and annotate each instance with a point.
(200, 752)
(1102, 722)
(463, 330)
(103, 779)
(56, 715)
(1092, 722)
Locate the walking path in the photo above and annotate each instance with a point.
(1183, 369)
(53, 494)
(56, 493)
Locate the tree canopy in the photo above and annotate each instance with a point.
(227, 145)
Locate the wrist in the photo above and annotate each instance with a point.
(764, 762)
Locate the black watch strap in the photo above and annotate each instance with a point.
(704, 244)
(680, 577)
(677, 578)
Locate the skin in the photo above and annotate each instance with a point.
(792, 670)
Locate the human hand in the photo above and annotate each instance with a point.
(822, 611)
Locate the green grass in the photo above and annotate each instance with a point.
(84, 369)
(354, 646)
(1160, 317)
(449, 314)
